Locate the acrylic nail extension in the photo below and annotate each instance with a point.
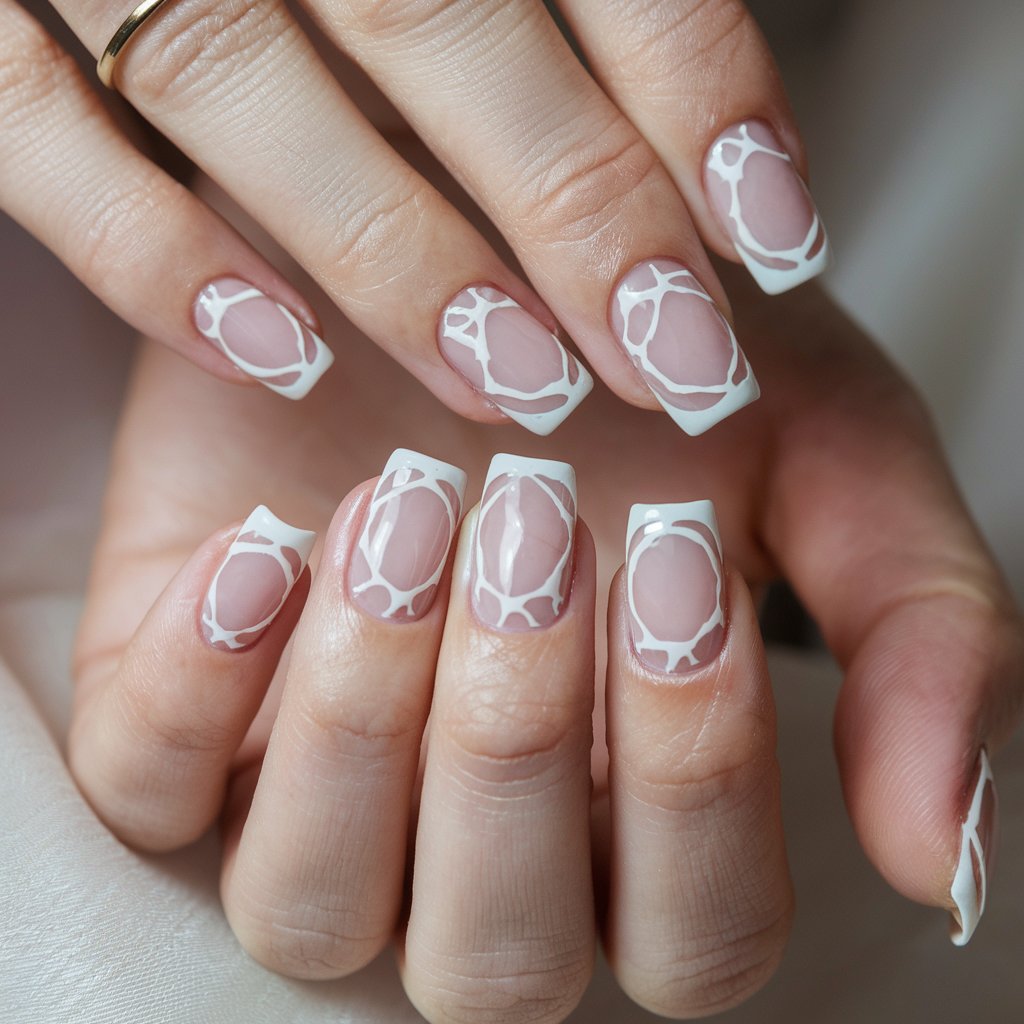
(523, 545)
(977, 846)
(675, 585)
(682, 345)
(505, 354)
(262, 565)
(764, 205)
(402, 550)
(261, 337)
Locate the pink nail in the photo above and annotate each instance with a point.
(681, 344)
(261, 337)
(262, 565)
(523, 548)
(764, 204)
(675, 585)
(403, 548)
(979, 835)
(510, 357)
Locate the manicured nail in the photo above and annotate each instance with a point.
(682, 345)
(261, 337)
(511, 358)
(675, 585)
(977, 849)
(254, 580)
(408, 531)
(764, 205)
(523, 547)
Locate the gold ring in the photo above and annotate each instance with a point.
(108, 62)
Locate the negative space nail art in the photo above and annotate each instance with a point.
(764, 205)
(403, 547)
(675, 585)
(977, 847)
(265, 560)
(523, 544)
(507, 355)
(681, 344)
(261, 337)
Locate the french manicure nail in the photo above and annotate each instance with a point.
(523, 546)
(511, 358)
(765, 207)
(977, 849)
(261, 337)
(681, 344)
(675, 585)
(409, 526)
(262, 565)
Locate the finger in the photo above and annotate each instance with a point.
(700, 901)
(865, 519)
(591, 213)
(151, 742)
(699, 82)
(239, 87)
(135, 237)
(313, 874)
(501, 926)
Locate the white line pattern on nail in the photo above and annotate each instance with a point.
(799, 265)
(261, 534)
(969, 902)
(648, 524)
(406, 471)
(733, 395)
(293, 379)
(466, 325)
(505, 478)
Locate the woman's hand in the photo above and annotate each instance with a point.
(607, 189)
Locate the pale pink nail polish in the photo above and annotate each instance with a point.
(403, 547)
(261, 337)
(253, 582)
(682, 345)
(765, 207)
(507, 355)
(978, 841)
(675, 585)
(523, 546)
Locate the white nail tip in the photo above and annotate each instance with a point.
(970, 904)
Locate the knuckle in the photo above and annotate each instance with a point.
(390, 18)
(34, 70)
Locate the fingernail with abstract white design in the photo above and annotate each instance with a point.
(764, 205)
(261, 337)
(978, 840)
(682, 345)
(523, 546)
(675, 585)
(403, 548)
(262, 565)
(511, 358)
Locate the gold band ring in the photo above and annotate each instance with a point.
(108, 62)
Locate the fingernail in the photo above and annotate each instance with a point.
(261, 337)
(409, 526)
(675, 585)
(523, 546)
(764, 205)
(507, 355)
(978, 835)
(682, 345)
(254, 580)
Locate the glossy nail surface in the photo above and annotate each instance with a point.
(977, 849)
(402, 550)
(765, 207)
(261, 337)
(262, 565)
(523, 545)
(675, 585)
(507, 355)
